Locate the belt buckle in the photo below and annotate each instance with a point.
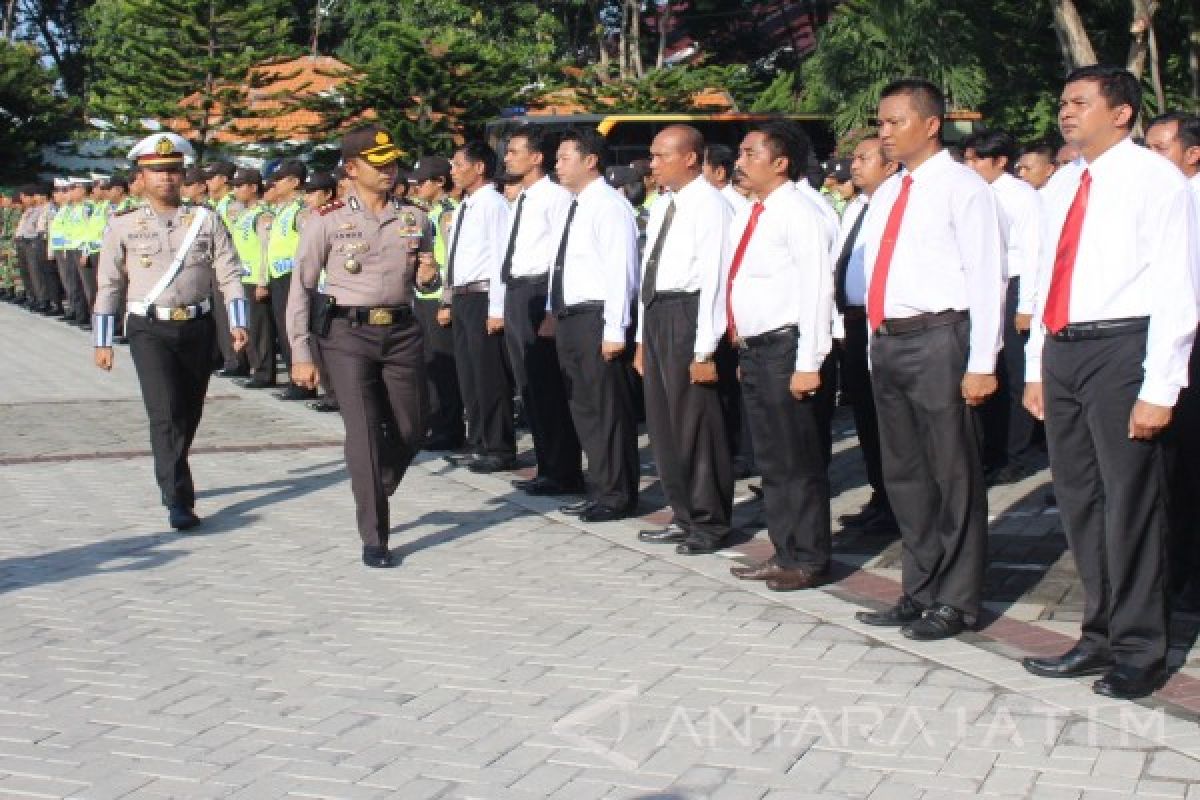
(180, 314)
(379, 316)
(740, 343)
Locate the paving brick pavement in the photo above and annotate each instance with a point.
(515, 653)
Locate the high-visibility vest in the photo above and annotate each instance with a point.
(249, 246)
(284, 240)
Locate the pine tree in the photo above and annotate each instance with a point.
(180, 60)
(33, 113)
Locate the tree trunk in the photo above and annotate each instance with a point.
(1144, 45)
(601, 40)
(623, 43)
(9, 10)
(1072, 35)
(664, 22)
(1194, 52)
(635, 40)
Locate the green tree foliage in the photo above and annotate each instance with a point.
(148, 55)
(31, 113)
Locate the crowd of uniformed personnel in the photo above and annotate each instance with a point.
(725, 297)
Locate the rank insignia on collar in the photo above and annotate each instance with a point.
(352, 201)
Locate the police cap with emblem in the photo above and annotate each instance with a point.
(161, 150)
(430, 167)
(290, 169)
(372, 144)
(223, 168)
(320, 181)
(247, 176)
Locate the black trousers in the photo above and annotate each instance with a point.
(483, 376)
(1112, 494)
(685, 422)
(279, 296)
(223, 352)
(854, 374)
(929, 439)
(379, 375)
(602, 407)
(260, 354)
(441, 374)
(87, 277)
(1182, 444)
(173, 368)
(538, 377)
(790, 447)
(1010, 433)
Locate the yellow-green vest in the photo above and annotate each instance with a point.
(285, 239)
(57, 229)
(249, 247)
(444, 206)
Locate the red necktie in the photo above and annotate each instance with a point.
(738, 255)
(883, 261)
(1058, 300)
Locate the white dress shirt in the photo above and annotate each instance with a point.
(737, 201)
(601, 262)
(856, 277)
(785, 276)
(949, 254)
(692, 258)
(829, 215)
(1136, 258)
(542, 217)
(480, 251)
(1021, 225)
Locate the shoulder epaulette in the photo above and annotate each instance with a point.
(332, 205)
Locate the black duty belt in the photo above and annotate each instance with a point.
(1101, 329)
(770, 337)
(527, 280)
(474, 287)
(854, 313)
(921, 322)
(580, 308)
(378, 315)
(673, 296)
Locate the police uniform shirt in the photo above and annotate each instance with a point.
(27, 226)
(480, 252)
(139, 247)
(543, 212)
(735, 198)
(692, 256)
(1021, 226)
(949, 254)
(1135, 259)
(785, 277)
(601, 263)
(368, 260)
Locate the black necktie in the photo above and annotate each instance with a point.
(557, 302)
(506, 268)
(458, 226)
(650, 278)
(843, 262)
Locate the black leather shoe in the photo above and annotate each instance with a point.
(182, 518)
(256, 383)
(378, 557)
(294, 392)
(939, 622)
(233, 372)
(672, 534)
(602, 513)
(323, 406)
(1074, 663)
(439, 443)
(575, 509)
(485, 465)
(546, 487)
(697, 547)
(901, 614)
(1129, 683)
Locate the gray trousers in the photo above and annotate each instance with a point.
(1111, 493)
(929, 439)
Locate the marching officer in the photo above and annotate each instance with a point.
(371, 249)
(166, 256)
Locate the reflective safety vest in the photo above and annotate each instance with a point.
(56, 231)
(285, 239)
(93, 228)
(249, 246)
(222, 209)
(442, 207)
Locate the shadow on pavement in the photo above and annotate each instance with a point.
(130, 554)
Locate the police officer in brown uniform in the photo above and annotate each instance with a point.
(371, 248)
(166, 257)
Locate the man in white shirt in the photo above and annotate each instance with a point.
(1176, 137)
(680, 327)
(533, 237)
(590, 303)
(935, 305)
(780, 305)
(474, 301)
(1115, 318)
(1036, 165)
(869, 168)
(1010, 433)
(719, 171)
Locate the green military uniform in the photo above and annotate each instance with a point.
(11, 286)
